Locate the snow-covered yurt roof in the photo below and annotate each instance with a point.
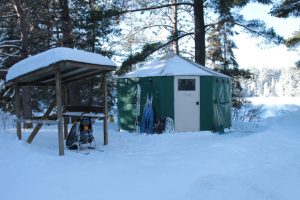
(71, 62)
(172, 65)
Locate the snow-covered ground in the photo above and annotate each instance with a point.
(258, 160)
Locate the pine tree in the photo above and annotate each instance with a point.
(202, 21)
(71, 23)
(93, 31)
(27, 30)
(289, 8)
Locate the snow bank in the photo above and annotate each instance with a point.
(276, 106)
(54, 55)
(271, 101)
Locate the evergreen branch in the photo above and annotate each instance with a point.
(114, 12)
(249, 29)
(176, 39)
(9, 55)
(10, 46)
(216, 23)
(294, 41)
(156, 7)
(286, 9)
(147, 50)
(298, 64)
(192, 55)
(150, 26)
(261, 31)
(211, 25)
(8, 16)
(9, 41)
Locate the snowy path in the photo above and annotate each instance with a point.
(253, 161)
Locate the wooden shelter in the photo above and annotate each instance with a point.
(57, 67)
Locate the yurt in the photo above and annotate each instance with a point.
(195, 97)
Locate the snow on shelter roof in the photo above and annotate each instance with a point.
(172, 65)
(46, 58)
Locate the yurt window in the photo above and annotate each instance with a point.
(186, 84)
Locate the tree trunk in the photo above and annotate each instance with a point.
(175, 29)
(74, 93)
(66, 24)
(92, 4)
(24, 27)
(66, 28)
(26, 104)
(91, 93)
(199, 32)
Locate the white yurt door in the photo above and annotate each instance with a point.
(187, 103)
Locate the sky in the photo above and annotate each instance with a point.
(251, 54)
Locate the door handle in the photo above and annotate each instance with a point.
(197, 103)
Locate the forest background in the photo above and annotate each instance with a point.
(132, 32)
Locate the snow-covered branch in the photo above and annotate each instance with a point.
(9, 46)
(147, 27)
(156, 7)
(8, 16)
(286, 9)
(8, 54)
(9, 41)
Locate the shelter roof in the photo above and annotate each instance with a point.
(173, 65)
(73, 64)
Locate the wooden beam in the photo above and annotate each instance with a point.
(105, 132)
(89, 65)
(83, 108)
(30, 77)
(82, 76)
(33, 84)
(59, 112)
(65, 102)
(39, 126)
(65, 73)
(69, 70)
(37, 121)
(75, 75)
(18, 110)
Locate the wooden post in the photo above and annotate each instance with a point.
(18, 110)
(59, 112)
(39, 126)
(65, 102)
(105, 132)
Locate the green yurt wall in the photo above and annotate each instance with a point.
(126, 102)
(206, 105)
(222, 103)
(215, 103)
